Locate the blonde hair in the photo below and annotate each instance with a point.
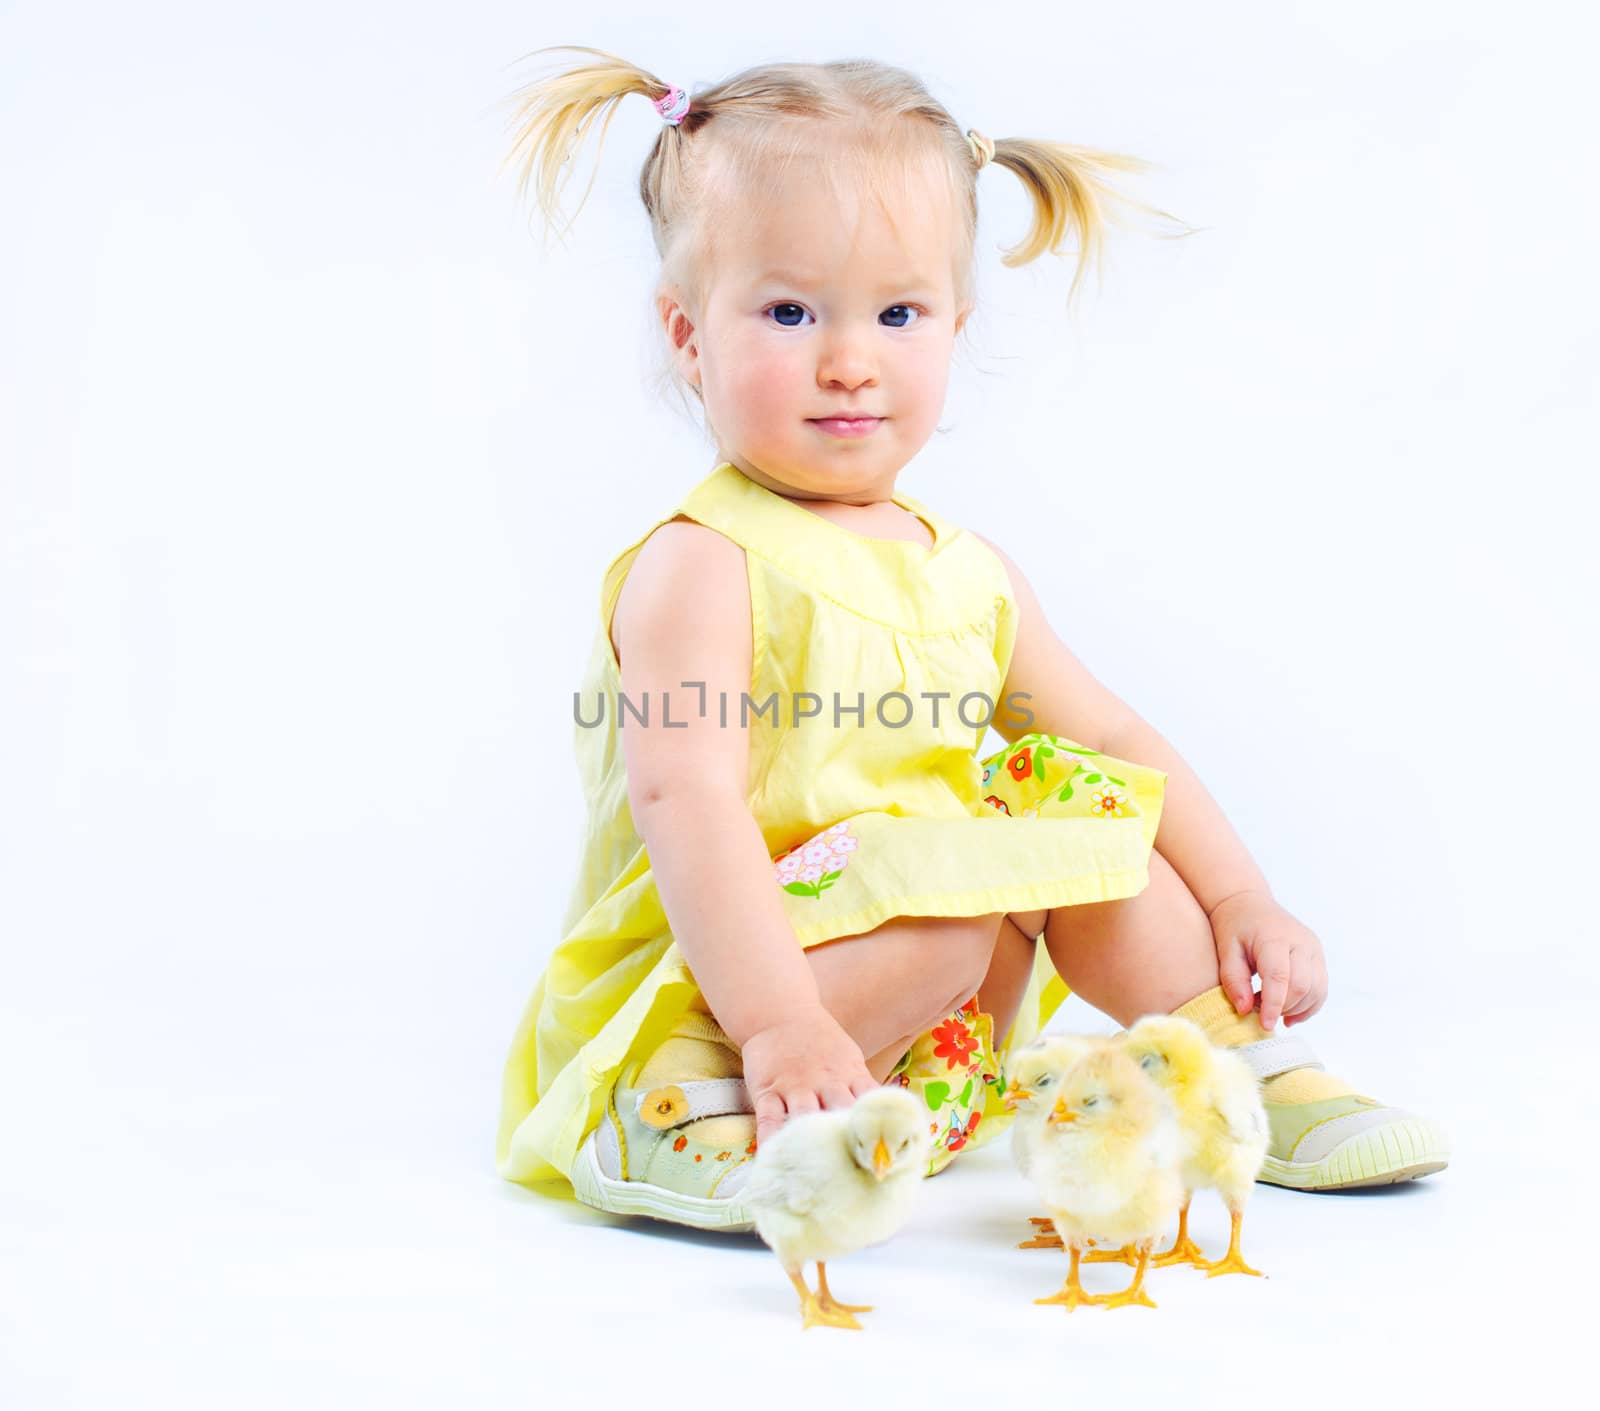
(877, 125)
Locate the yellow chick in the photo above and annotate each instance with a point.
(1108, 1167)
(1222, 1120)
(1036, 1072)
(831, 1182)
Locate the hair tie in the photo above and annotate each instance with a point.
(982, 147)
(673, 104)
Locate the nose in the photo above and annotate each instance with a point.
(846, 360)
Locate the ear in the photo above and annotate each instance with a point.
(961, 317)
(680, 335)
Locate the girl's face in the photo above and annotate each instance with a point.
(815, 310)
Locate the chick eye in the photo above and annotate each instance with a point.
(1149, 1061)
(904, 1143)
(1091, 1102)
(1044, 1082)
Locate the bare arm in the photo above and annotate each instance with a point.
(1195, 836)
(684, 615)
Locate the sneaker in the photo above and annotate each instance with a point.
(638, 1161)
(1339, 1143)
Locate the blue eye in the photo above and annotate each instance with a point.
(783, 322)
(774, 309)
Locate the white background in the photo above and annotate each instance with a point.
(312, 458)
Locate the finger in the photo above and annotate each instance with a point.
(1299, 991)
(800, 1101)
(1302, 995)
(769, 1116)
(837, 1095)
(1313, 971)
(1315, 994)
(1233, 974)
(1275, 976)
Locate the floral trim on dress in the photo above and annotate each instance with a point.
(808, 869)
(1040, 768)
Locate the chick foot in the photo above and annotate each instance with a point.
(1044, 1234)
(813, 1314)
(1126, 1255)
(827, 1300)
(1232, 1262)
(1071, 1294)
(1184, 1250)
(1134, 1293)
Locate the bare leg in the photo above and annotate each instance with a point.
(889, 985)
(1010, 969)
(1145, 954)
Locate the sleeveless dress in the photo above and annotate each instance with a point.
(873, 804)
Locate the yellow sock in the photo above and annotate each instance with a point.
(1226, 1027)
(698, 1048)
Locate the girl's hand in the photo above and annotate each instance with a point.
(804, 1063)
(1254, 935)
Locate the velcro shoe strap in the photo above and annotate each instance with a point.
(1278, 1054)
(707, 1097)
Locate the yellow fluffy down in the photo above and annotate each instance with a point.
(1107, 1166)
(1217, 1099)
(831, 1182)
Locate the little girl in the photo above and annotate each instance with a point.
(798, 878)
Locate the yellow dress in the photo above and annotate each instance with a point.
(882, 808)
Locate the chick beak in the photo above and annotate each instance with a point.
(1015, 1094)
(880, 1160)
(1059, 1112)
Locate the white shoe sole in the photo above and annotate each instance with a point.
(1379, 1156)
(594, 1188)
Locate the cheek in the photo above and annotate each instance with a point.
(918, 386)
(762, 377)
(931, 366)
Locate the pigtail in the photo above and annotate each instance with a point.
(554, 115)
(1069, 194)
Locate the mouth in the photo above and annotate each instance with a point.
(846, 425)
